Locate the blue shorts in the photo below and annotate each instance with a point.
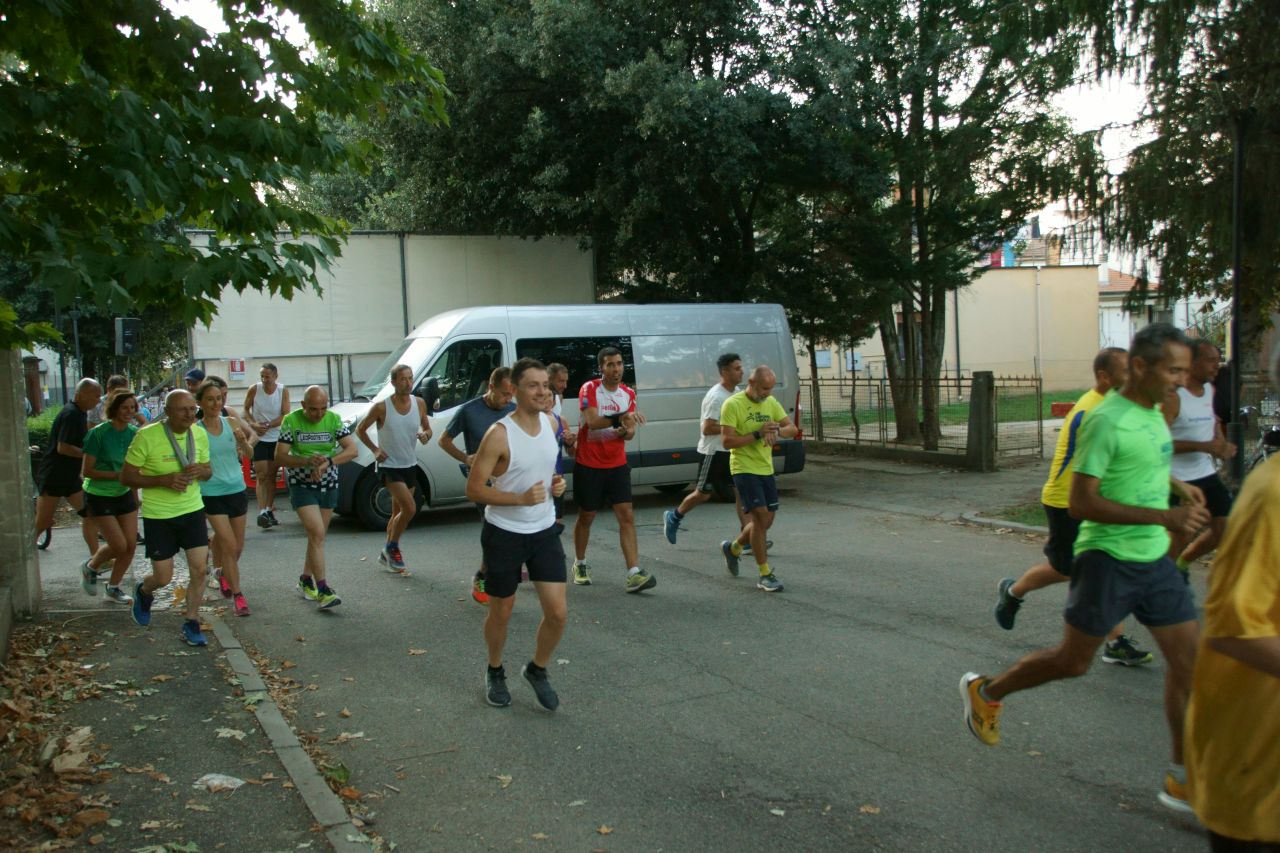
(1105, 590)
(301, 496)
(756, 490)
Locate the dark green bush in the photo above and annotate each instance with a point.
(38, 428)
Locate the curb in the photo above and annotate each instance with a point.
(324, 805)
(974, 518)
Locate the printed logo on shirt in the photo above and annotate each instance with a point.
(315, 437)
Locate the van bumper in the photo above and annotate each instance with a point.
(790, 452)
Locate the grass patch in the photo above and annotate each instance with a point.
(1030, 513)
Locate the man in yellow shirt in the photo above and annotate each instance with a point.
(1110, 369)
(1233, 718)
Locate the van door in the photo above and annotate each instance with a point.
(461, 370)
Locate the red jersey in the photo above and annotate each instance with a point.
(603, 448)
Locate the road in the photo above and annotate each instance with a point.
(705, 714)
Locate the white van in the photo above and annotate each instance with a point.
(669, 353)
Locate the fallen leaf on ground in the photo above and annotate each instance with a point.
(344, 713)
(300, 638)
(216, 782)
(346, 736)
(577, 803)
(226, 732)
(149, 824)
(540, 836)
(417, 651)
(604, 830)
(349, 793)
(869, 809)
(778, 812)
(162, 678)
(287, 664)
(505, 780)
(89, 817)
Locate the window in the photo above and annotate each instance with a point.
(822, 357)
(580, 355)
(463, 370)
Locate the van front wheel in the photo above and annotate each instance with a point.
(372, 501)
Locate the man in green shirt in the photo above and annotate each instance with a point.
(1121, 491)
(167, 459)
(751, 422)
(313, 443)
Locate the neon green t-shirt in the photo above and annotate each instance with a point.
(747, 416)
(1128, 448)
(107, 445)
(152, 454)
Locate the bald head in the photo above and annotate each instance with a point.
(180, 409)
(315, 402)
(88, 394)
(761, 382)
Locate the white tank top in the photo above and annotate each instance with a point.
(398, 435)
(1195, 422)
(532, 459)
(266, 407)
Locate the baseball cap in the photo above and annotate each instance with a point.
(195, 374)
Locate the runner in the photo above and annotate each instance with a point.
(715, 459)
(402, 425)
(1110, 368)
(225, 504)
(471, 421)
(265, 405)
(601, 475)
(1233, 719)
(513, 476)
(751, 422)
(111, 504)
(313, 443)
(1120, 488)
(1197, 440)
(59, 476)
(558, 378)
(98, 414)
(193, 378)
(166, 460)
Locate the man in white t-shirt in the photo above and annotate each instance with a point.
(715, 459)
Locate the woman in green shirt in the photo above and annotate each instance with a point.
(111, 504)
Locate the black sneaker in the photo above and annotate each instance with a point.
(271, 514)
(263, 521)
(547, 698)
(1124, 652)
(495, 687)
(1008, 604)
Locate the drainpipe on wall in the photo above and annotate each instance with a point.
(1039, 351)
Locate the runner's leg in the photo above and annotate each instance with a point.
(555, 615)
(1069, 659)
(625, 514)
(315, 523)
(582, 533)
(225, 533)
(129, 529)
(1178, 645)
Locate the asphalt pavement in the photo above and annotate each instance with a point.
(701, 715)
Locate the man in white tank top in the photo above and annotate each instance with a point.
(518, 454)
(402, 425)
(265, 406)
(1197, 440)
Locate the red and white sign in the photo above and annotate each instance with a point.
(237, 368)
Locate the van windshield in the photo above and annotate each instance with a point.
(412, 351)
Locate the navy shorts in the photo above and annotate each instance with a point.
(1217, 497)
(97, 506)
(167, 536)
(264, 451)
(233, 505)
(1063, 529)
(756, 490)
(505, 552)
(1105, 590)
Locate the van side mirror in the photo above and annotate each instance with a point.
(429, 390)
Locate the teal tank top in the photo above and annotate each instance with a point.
(227, 476)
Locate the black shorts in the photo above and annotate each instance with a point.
(1216, 496)
(1105, 590)
(408, 476)
(755, 490)
(505, 552)
(98, 506)
(714, 469)
(56, 483)
(233, 505)
(264, 451)
(1063, 530)
(596, 488)
(167, 536)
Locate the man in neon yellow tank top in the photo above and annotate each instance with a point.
(1121, 490)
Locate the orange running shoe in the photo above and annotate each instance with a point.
(477, 591)
(982, 717)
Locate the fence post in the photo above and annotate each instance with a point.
(980, 449)
(816, 408)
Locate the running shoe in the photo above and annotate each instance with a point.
(307, 587)
(477, 590)
(264, 519)
(116, 594)
(495, 687)
(395, 558)
(271, 516)
(88, 579)
(730, 558)
(192, 634)
(212, 579)
(223, 586)
(1123, 651)
(769, 583)
(1007, 605)
(1173, 794)
(327, 598)
(768, 546)
(547, 698)
(670, 525)
(581, 573)
(982, 717)
(641, 581)
(141, 606)
(242, 606)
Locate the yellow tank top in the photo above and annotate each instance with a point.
(1057, 489)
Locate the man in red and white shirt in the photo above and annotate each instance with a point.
(601, 475)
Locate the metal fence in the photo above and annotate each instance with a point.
(859, 411)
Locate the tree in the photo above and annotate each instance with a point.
(125, 124)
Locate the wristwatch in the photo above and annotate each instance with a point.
(756, 433)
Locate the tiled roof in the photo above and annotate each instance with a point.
(1122, 282)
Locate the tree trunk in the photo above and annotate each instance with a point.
(815, 397)
(902, 373)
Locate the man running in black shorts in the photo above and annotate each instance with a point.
(513, 476)
(59, 477)
(265, 406)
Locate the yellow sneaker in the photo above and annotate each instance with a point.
(1174, 794)
(982, 717)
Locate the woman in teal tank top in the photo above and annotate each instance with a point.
(225, 503)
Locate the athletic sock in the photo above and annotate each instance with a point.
(736, 548)
(495, 670)
(1182, 564)
(534, 669)
(982, 691)
(634, 570)
(1179, 773)
(764, 569)
(479, 576)
(677, 514)
(323, 586)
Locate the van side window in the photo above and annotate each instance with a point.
(580, 356)
(463, 370)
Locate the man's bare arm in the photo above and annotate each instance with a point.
(1261, 653)
(493, 449)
